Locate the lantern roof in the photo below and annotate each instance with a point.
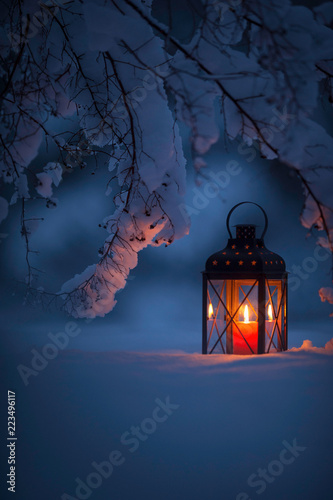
(246, 254)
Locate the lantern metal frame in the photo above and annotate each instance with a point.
(245, 262)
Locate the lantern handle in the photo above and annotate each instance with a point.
(252, 203)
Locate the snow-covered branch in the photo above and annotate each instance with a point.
(127, 80)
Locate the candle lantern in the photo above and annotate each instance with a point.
(244, 295)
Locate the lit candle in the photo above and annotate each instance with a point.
(210, 318)
(249, 331)
(269, 320)
(210, 311)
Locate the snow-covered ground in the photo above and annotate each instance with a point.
(186, 426)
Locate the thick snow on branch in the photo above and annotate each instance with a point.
(149, 163)
(128, 81)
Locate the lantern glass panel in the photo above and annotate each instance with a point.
(216, 315)
(242, 337)
(275, 315)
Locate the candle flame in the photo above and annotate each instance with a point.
(246, 314)
(270, 312)
(210, 310)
